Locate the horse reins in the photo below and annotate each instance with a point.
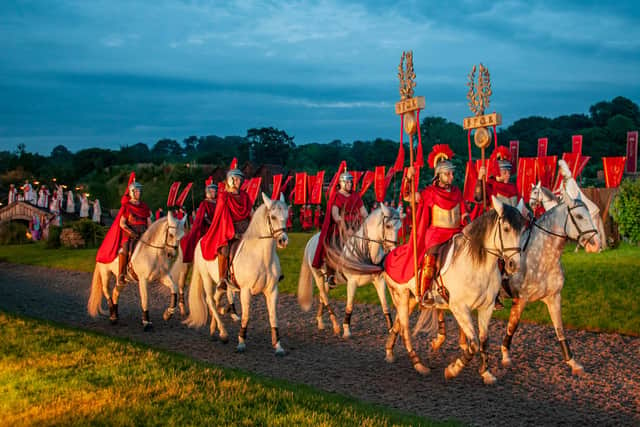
(581, 233)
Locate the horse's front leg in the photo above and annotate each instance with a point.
(112, 300)
(245, 302)
(484, 317)
(381, 289)
(143, 286)
(465, 322)
(323, 296)
(216, 321)
(271, 298)
(169, 283)
(517, 307)
(407, 303)
(351, 293)
(554, 305)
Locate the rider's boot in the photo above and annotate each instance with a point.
(428, 271)
(122, 269)
(223, 269)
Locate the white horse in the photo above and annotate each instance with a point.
(375, 237)
(151, 260)
(542, 277)
(256, 268)
(179, 272)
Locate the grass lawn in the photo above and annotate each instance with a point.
(600, 292)
(54, 375)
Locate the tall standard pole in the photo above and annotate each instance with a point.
(414, 240)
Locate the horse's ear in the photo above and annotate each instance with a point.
(497, 205)
(385, 210)
(267, 201)
(170, 216)
(282, 198)
(521, 207)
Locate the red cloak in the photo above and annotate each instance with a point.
(230, 208)
(399, 263)
(108, 250)
(204, 216)
(349, 207)
(505, 189)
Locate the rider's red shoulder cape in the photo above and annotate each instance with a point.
(108, 250)
(188, 243)
(350, 206)
(495, 188)
(230, 208)
(399, 263)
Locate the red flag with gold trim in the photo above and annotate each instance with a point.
(316, 191)
(379, 183)
(277, 181)
(542, 147)
(367, 180)
(613, 170)
(526, 177)
(253, 188)
(300, 188)
(576, 144)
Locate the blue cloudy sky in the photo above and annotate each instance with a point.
(110, 73)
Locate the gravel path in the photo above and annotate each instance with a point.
(538, 390)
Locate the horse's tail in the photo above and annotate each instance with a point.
(305, 282)
(427, 322)
(95, 298)
(198, 314)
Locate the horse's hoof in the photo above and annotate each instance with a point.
(506, 362)
(241, 348)
(488, 378)
(147, 326)
(279, 351)
(576, 368)
(113, 320)
(235, 317)
(448, 373)
(422, 370)
(167, 315)
(224, 339)
(336, 330)
(347, 332)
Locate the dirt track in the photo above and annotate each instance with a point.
(538, 390)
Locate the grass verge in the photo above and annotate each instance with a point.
(55, 375)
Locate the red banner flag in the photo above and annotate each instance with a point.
(311, 182)
(576, 144)
(316, 191)
(470, 180)
(254, 188)
(183, 196)
(514, 147)
(356, 177)
(546, 170)
(379, 183)
(277, 181)
(367, 180)
(399, 163)
(632, 152)
(542, 147)
(613, 170)
(173, 192)
(526, 177)
(300, 188)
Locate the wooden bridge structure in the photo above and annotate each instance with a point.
(22, 211)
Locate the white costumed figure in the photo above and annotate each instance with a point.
(12, 193)
(84, 206)
(97, 211)
(71, 207)
(29, 193)
(43, 197)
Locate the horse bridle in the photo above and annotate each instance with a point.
(502, 253)
(578, 204)
(166, 239)
(382, 242)
(273, 233)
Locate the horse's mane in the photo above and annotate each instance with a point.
(253, 230)
(154, 228)
(548, 193)
(477, 231)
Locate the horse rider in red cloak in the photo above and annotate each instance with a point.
(230, 220)
(440, 213)
(135, 218)
(345, 209)
(499, 185)
(202, 222)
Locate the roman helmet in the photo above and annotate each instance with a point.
(231, 173)
(210, 187)
(134, 186)
(344, 178)
(502, 156)
(439, 159)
